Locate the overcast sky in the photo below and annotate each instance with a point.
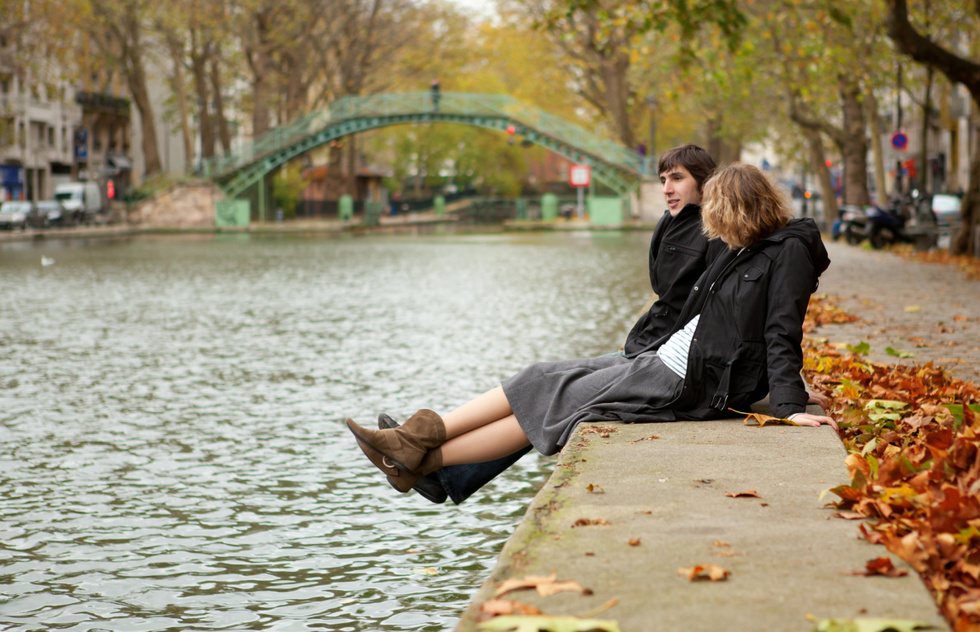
(482, 8)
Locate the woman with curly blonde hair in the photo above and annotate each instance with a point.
(737, 339)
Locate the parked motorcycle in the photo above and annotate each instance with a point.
(854, 225)
(885, 226)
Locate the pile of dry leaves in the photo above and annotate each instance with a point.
(913, 433)
(968, 265)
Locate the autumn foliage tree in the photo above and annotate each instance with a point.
(914, 39)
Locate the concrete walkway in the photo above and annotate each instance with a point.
(788, 552)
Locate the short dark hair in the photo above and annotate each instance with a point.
(695, 159)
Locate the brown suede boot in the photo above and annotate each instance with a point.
(405, 481)
(399, 452)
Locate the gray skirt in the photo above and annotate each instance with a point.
(550, 398)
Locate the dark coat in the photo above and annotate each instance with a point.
(747, 342)
(679, 254)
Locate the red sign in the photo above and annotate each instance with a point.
(579, 175)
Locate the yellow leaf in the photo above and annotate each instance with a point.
(546, 585)
(425, 571)
(902, 491)
(762, 420)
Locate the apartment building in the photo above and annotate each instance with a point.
(37, 130)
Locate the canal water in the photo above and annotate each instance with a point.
(172, 448)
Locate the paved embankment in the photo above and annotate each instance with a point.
(788, 553)
(929, 310)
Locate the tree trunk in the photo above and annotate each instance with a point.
(219, 106)
(964, 244)
(853, 144)
(180, 93)
(723, 150)
(614, 73)
(922, 174)
(136, 79)
(261, 66)
(199, 71)
(350, 181)
(874, 122)
(141, 97)
(819, 163)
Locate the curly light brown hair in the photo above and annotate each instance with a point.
(741, 206)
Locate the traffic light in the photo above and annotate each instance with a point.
(110, 189)
(829, 163)
(511, 130)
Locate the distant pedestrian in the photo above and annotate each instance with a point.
(737, 339)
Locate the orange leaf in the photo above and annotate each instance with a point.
(880, 566)
(749, 493)
(704, 571)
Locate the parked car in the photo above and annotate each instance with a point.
(83, 201)
(16, 214)
(53, 213)
(946, 209)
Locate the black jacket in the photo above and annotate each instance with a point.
(679, 254)
(747, 342)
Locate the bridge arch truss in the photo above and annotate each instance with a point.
(618, 167)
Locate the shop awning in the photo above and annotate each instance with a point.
(119, 162)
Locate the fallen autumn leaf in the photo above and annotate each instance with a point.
(546, 585)
(749, 493)
(704, 571)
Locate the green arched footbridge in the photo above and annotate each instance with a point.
(616, 166)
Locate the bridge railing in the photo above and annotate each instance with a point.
(527, 118)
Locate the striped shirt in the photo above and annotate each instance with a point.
(673, 353)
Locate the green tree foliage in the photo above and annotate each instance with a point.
(287, 188)
(504, 57)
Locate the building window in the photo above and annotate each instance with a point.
(6, 132)
(50, 136)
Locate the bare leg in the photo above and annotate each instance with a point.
(484, 409)
(485, 443)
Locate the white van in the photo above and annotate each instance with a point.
(83, 201)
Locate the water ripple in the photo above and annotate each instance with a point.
(172, 454)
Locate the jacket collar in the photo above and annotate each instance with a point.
(804, 229)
